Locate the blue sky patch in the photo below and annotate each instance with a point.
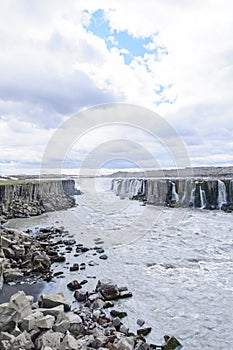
(129, 45)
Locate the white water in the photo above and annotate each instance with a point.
(180, 272)
(203, 198)
(222, 194)
(175, 196)
(192, 197)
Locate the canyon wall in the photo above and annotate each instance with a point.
(196, 193)
(34, 198)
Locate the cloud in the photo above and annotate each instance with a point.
(173, 57)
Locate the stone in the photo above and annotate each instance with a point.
(171, 343)
(22, 341)
(62, 326)
(29, 322)
(54, 311)
(144, 331)
(81, 296)
(45, 322)
(125, 294)
(69, 342)
(140, 322)
(12, 275)
(73, 285)
(8, 317)
(123, 329)
(116, 322)
(9, 253)
(6, 243)
(49, 339)
(142, 345)
(19, 251)
(21, 303)
(103, 257)
(125, 344)
(74, 267)
(52, 300)
(120, 314)
(108, 289)
(76, 326)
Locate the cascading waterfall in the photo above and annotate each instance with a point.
(202, 198)
(192, 197)
(222, 194)
(175, 196)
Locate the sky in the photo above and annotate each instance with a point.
(60, 58)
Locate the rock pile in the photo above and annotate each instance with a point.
(22, 257)
(50, 324)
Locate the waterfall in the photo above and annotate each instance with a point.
(175, 196)
(222, 194)
(202, 198)
(192, 197)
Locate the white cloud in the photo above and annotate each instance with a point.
(51, 67)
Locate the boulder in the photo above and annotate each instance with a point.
(76, 326)
(125, 344)
(108, 289)
(46, 322)
(52, 300)
(69, 342)
(29, 322)
(50, 339)
(21, 303)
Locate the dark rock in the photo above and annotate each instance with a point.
(140, 322)
(58, 258)
(103, 257)
(108, 289)
(120, 314)
(171, 343)
(81, 296)
(74, 285)
(144, 331)
(125, 294)
(75, 267)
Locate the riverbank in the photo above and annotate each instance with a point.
(50, 321)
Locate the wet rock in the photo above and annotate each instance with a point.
(108, 289)
(144, 331)
(140, 322)
(103, 257)
(58, 258)
(120, 314)
(125, 294)
(171, 343)
(12, 275)
(52, 300)
(74, 267)
(73, 285)
(81, 296)
(125, 344)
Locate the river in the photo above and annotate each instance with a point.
(177, 262)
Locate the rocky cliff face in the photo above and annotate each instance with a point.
(205, 194)
(35, 198)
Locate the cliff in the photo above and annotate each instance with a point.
(196, 193)
(24, 199)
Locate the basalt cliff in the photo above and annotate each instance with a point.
(19, 200)
(196, 193)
